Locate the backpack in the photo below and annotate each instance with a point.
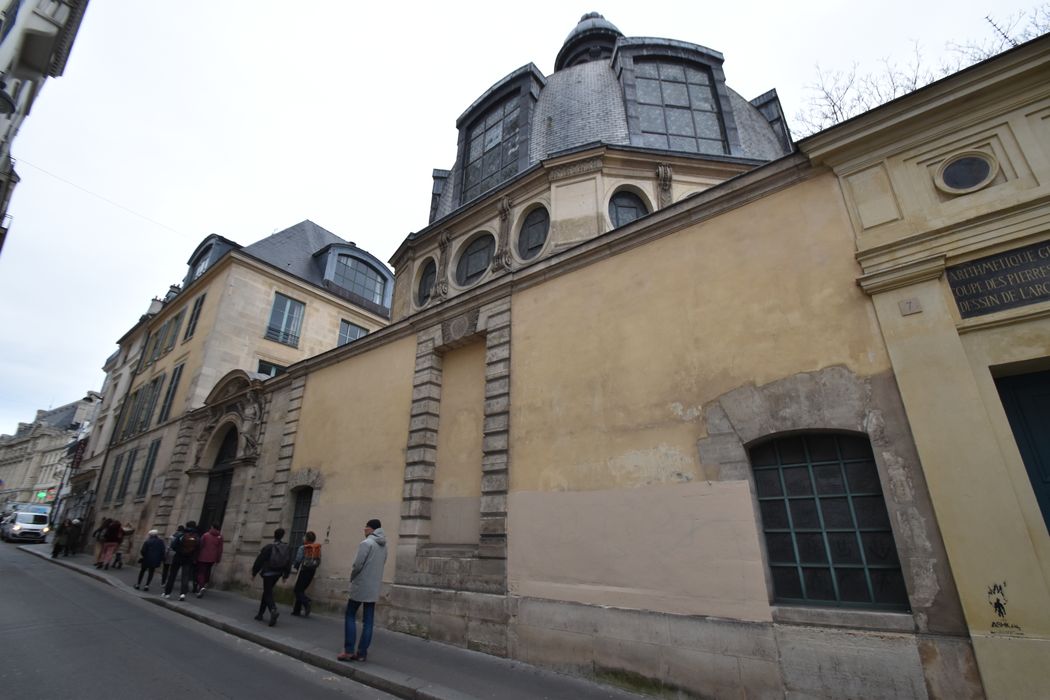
(188, 543)
(311, 556)
(279, 557)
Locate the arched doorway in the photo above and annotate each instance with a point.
(219, 481)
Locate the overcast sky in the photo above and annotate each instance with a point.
(175, 120)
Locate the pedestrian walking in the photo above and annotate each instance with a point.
(274, 560)
(366, 577)
(61, 539)
(209, 556)
(185, 546)
(73, 535)
(307, 559)
(99, 535)
(169, 556)
(111, 540)
(150, 557)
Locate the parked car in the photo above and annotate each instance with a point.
(24, 527)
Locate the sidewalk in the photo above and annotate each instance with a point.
(399, 664)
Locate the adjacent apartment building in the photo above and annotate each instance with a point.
(256, 309)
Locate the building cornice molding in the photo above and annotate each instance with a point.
(903, 275)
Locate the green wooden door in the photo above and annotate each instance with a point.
(1026, 398)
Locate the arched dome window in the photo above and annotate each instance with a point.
(624, 207)
(475, 260)
(533, 233)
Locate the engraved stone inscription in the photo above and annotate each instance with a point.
(1004, 281)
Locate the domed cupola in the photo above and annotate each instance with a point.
(592, 39)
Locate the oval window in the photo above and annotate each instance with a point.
(533, 233)
(475, 259)
(966, 172)
(426, 283)
(625, 207)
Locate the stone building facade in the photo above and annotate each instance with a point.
(255, 309)
(672, 402)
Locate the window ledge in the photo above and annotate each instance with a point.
(840, 617)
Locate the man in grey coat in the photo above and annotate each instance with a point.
(366, 577)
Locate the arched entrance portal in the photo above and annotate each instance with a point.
(219, 480)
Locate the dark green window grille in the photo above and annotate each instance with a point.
(824, 517)
(492, 149)
(625, 207)
(677, 107)
(475, 259)
(426, 283)
(300, 516)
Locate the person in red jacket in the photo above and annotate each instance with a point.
(210, 554)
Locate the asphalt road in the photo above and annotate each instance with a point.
(64, 635)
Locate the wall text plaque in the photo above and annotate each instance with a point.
(1003, 281)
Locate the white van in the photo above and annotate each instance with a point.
(25, 526)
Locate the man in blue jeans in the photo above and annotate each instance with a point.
(366, 577)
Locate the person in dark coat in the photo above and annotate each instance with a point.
(185, 547)
(151, 556)
(169, 555)
(61, 540)
(307, 559)
(274, 560)
(73, 536)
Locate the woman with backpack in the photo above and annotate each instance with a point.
(307, 559)
(274, 560)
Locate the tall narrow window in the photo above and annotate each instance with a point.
(426, 283)
(360, 278)
(350, 331)
(129, 466)
(827, 531)
(149, 402)
(173, 332)
(286, 320)
(492, 149)
(300, 516)
(147, 469)
(195, 314)
(169, 395)
(111, 485)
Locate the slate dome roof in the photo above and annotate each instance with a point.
(647, 93)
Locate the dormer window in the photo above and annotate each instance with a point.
(202, 263)
(360, 278)
(677, 108)
(492, 148)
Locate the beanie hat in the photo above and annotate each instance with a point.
(374, 524)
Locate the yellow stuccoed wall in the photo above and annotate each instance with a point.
(610, 368)
(456, 515)
(352, 428)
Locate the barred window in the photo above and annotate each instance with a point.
(286, 320)
(475, 259)
(533, 233)
(826, 527)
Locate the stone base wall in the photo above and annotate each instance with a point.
(687, 656)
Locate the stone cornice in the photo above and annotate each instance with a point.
(903, 275)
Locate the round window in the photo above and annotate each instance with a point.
(426, 283)
(966, 172)
(475, 259)
(533, 233)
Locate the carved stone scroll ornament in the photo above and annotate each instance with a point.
(503, 259)
(664, 173)
(441, 287)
